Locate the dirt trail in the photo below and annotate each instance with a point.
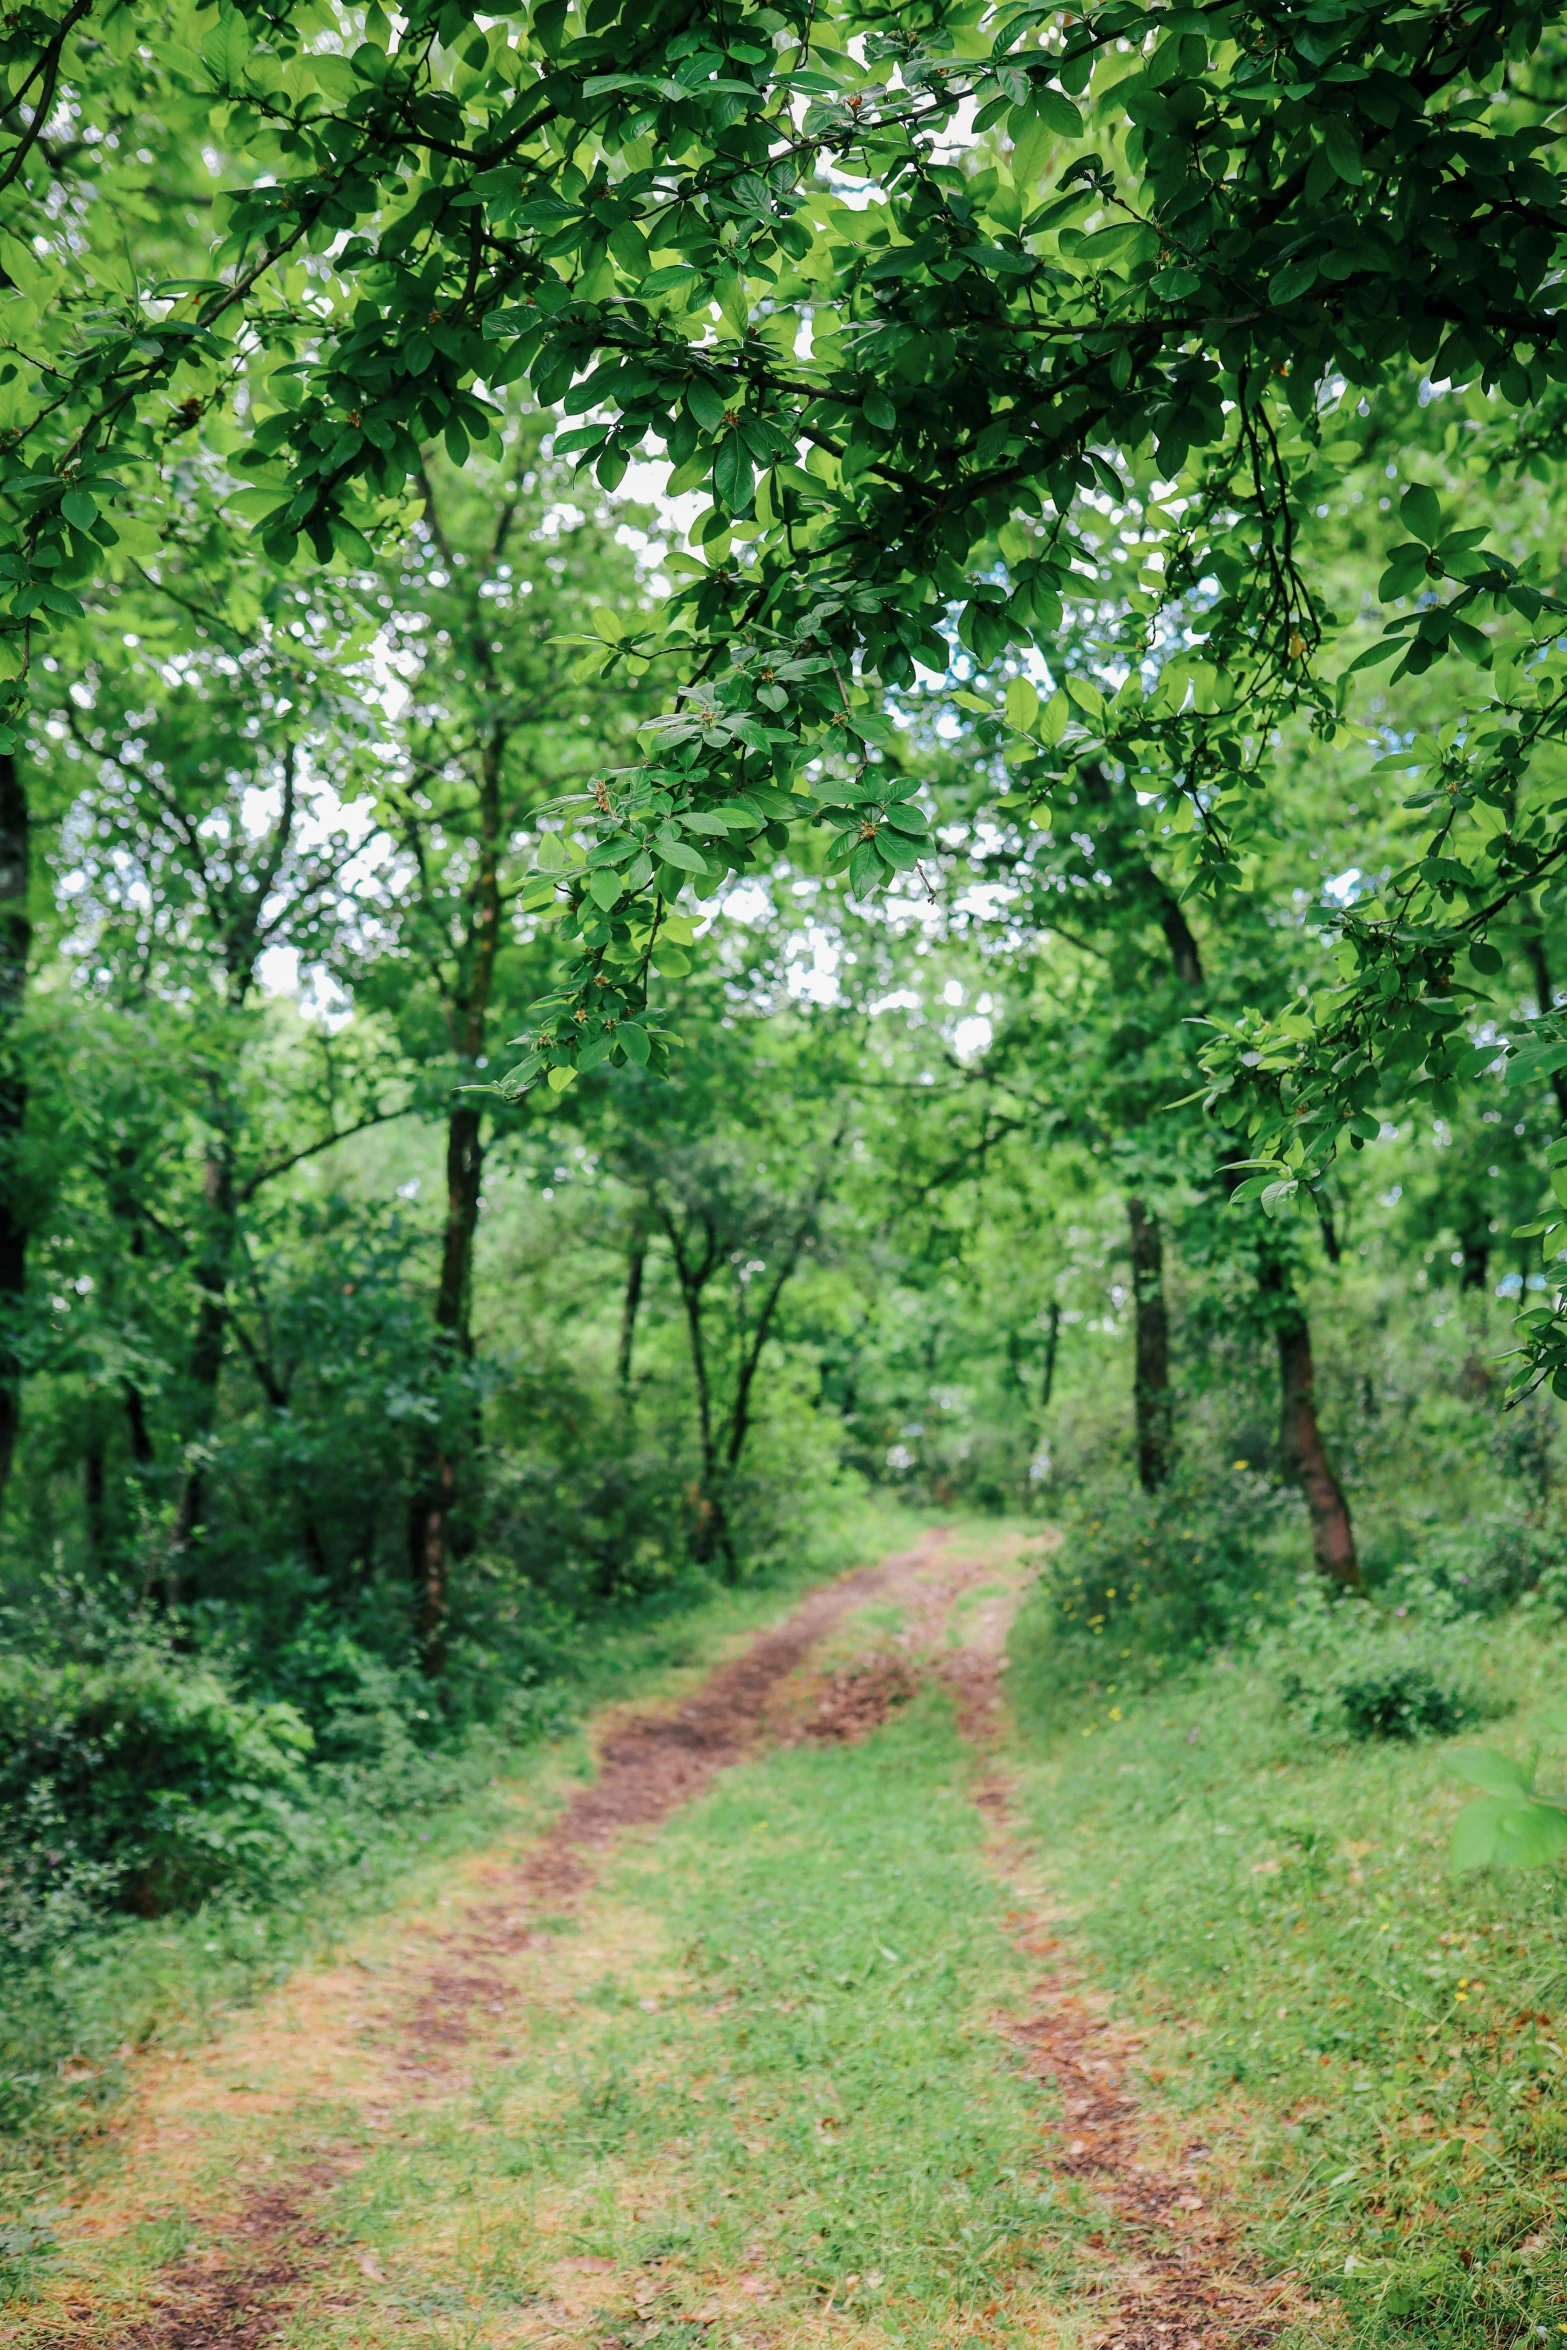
(381, 2037)
(1187, 2283)
(268, 2245)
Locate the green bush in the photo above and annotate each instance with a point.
(143, 1780)
(356, 1704)
(1490, 1561)
(1353, 1671)
(1141, 1584)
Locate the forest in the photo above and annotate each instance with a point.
(777, 781)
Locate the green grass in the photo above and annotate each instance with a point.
(1387, 2039)
(68, 2027)
(814, 2092)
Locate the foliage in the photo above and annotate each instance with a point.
(1064, 259)
(1353, 1670)
(153, 1777)
(1142, 1585)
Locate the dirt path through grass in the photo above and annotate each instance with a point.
(749, 2047)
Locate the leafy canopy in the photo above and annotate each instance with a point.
(905, 293)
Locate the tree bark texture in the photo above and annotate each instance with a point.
(432, 1526)
(1151, 1371)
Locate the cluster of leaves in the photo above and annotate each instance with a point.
(907, 376)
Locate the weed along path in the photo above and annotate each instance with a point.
(766, 2039)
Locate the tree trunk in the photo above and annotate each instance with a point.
(15, 941)
(1052, 1341)
(1151, 1373)
(1303, 1455)
(712, 1525)
(751, 1356)
(136, 1421)
(94, 1487)
(431, 1523)
(207, 1345)
(636, 1265)
(433, 1519)
(1475, 1248)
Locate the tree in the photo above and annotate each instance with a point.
(485, 600)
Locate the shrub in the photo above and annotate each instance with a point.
(1352, 1671)
(1147, 1582)
(356, 1705)
(1489, 1562)
(144, 1779)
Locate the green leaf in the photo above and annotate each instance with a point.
(226, 48)
(866, 870)
(558, 1079)
(1498, 1833)
(706, 404)
(680, 853)
(1481, 1766)
(1421, 514)
(732, 473)
(1022, 704)
(80, 509)
(635, 1040)
(1343, 151)
(605, 887)
(1057, 112)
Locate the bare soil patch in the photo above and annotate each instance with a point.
(856, 1700)
(242, 2299)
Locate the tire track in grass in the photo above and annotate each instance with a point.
(1188, 2283)
(275, 2243)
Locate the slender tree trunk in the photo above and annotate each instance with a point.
(94, 1487)
(712, 1523)
(636, 1265)
(208, 1343)
(711, 1533)
(1052, 1341)
(1151, 1374)
(435, 1525)
(1475, 1246)
(136, 1421)
(1303, 1455)
(750, 1360)
(123, 1208)
(432, 1529)
(15, 941)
